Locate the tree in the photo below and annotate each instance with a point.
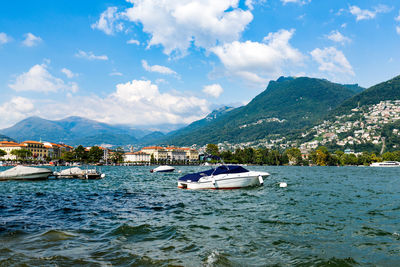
(118, 155)
(95, 154)
(2, 153)
(68, 156)
(21, 153)
(212, 149)
(294, 156)
(80, 153)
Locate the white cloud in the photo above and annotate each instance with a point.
(133, 41)
(39, 79)
(398, 29)
(108, 21)
(397, 18)
(31, 40)
(214, 90)
(301, 2)
(337, 37)
(90, 56)
(177, 24)
(4, 38)
(15, 110)
(116, 73)
(68, 73)
(257, 62)
(157, 68)
(365, 14)
(332, 60)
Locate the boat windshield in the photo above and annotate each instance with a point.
(224, 169)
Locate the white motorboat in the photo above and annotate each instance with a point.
(25, 173)
(79, 173)
(386, 164)
(163, 168)
(223, 177)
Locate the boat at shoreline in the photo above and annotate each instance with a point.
(79, 173)
(223, 177)
(385, 164)
(163, 168)
(25, 173)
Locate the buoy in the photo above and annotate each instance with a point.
(103, 175)
(282, 184)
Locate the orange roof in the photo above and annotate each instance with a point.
(32, 142)
(152, 147)
(136, 153)
(9, 143)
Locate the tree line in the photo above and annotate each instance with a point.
(292, 156)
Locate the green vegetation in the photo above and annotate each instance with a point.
(21, 154)
(2, 153)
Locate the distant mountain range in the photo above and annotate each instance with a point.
(288, 107)
(74, 131)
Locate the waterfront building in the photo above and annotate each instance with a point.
(9, 146)
(175, 154)
(191, 154)
(158, 152)
(39, 151)
(137, 157)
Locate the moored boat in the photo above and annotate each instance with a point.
(25, 173)
(164, 168)
(386, 164)
(223, 177)
(79, 173)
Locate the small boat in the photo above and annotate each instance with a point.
(163, 168)
(79, 173)
(386, 164)
(223, 177)
(25, 173)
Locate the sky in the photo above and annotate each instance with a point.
(151, 62)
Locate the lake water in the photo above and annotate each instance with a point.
(327, 216)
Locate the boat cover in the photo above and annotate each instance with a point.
(224, 169)
(71, 171)
(20, 171)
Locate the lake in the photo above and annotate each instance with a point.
(326, 216)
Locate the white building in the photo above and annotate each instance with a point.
(137, 157)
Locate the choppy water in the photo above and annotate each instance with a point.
(327, 216)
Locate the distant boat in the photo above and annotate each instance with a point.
(163, 168)
(79, 173)
(25, 173)
(222, 177)
(386, 164)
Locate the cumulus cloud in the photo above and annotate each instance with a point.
(332, 60)
(14, 110)
(68, 73)
(31, 40)
(214, 90)
(39, 79)
(4, 38)
(157, 68)
(257, 62)
(133, 41)
(108, 21)
(90, 55)
(398, 29)
(365, 14)
(337, 37)
(137, 102)
(397, 18)
(177, 24)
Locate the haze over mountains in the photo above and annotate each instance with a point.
(287, 107)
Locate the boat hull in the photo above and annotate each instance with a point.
(225, 181)
(36, 176)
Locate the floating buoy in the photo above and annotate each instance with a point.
(261, 180)
(179, 171)
(282, 184)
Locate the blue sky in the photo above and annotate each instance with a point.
(151, 62)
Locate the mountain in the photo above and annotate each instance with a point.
(5, 138)
(71, 130)
(389, 90)
(287, 105)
